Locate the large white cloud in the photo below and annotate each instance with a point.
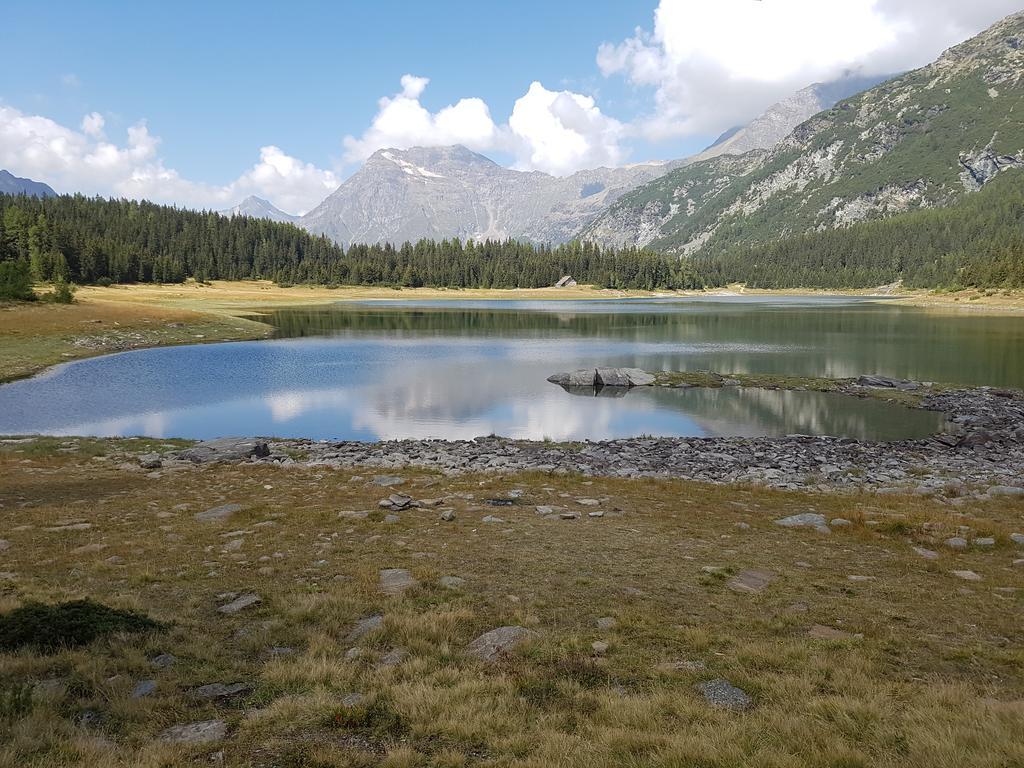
(85, 161)
(716, 64)
(561, 132)
(558, 132)
(402, 122)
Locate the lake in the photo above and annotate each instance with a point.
(460, 369)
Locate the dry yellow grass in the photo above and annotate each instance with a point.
(935, 680)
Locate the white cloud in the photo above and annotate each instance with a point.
(85, 161)
(558, 132)
(92, 125)
(717, 64)
(402, 122)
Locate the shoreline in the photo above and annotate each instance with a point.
(37, 336)
(979, 456)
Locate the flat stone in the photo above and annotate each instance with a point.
(203, 732)
(365, 626)
(451, 582)
(545, 509)
(840, 522)
(143, 688)
(588, 502)
(606, 623)
(5, 545)
(492, 519)
(596, 515)
(220, 690)
(490, 645)
(956, 542)
(927, 553)
(805, 520)
(353, 700)
(223, 512)
(163, 661)
(967, 575)
(1005, 491)
(394, 657)
(240, 603)
(225, 449)
(751, 582)
(985, 541)
(395, 581)
(669, 667)
(387, 481)
(1017, 538)
(722, 694)
(448, 515)
(600, 647)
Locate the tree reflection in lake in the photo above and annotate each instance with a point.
(385, 371)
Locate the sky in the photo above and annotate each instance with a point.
(202, 104)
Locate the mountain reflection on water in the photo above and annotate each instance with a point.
(460, 371)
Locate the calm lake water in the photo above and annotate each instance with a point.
(464, 369)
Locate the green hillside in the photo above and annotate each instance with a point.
(927, 139)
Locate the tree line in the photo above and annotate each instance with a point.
(977, 242)
(91, 240)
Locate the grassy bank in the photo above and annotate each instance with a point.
(858, 652)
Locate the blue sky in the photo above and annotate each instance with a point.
(203, 103)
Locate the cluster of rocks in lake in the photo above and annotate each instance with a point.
(980, 453)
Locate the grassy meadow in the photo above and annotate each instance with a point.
(862, 647)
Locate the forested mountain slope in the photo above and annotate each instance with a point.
(921, 140)
(977, 242)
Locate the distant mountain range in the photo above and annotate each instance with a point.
(920, 140)
(831, 155)
(258, 208)
(779, 120)
(15, 185)
(452, 192)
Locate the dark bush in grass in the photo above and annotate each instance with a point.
(66, 625)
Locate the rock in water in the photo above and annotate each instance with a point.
(493, 644)
(584, 378)
(622, 378)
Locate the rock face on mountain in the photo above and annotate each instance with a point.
(258, 208)
(779, 120)
(920, 140)
(449, 192)
(15, 185)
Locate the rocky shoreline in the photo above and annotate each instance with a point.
(980, 455)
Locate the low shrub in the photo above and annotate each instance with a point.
(66, 625)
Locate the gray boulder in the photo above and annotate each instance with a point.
(722, 694)
(226, 449)
(623, 378)
(223, 512)
(805, 520)
(203, 732)
(490, 645)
